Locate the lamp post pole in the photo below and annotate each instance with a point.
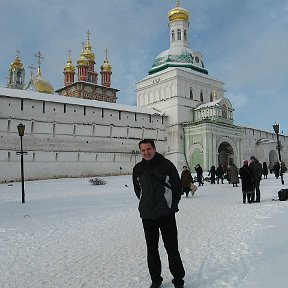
(21, 129)
(276, 130)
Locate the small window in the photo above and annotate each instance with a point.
(178, 34)
(211, 97)
(185, 35)
(191, 93)
(201, 96)
(224, 111)
(173, 36)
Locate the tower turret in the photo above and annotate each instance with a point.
(106, 72)
(69, 71)
(16, 73)
(82, 66)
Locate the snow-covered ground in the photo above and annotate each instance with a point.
(70, 233)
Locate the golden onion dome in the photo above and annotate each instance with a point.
(106, 67)
(69, 67)
(89, 55)
(82, 60)
(41, 85)
(16, 64)
(178, 13)
(87, 52)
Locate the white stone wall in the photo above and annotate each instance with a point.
(66, 139)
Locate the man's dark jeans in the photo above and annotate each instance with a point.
(168, 228)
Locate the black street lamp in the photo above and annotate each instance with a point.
(276, 130)
(21, 129)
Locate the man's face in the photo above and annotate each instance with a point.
(147, 151)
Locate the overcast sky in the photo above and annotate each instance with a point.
(244, 44)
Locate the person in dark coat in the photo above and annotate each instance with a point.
(247, 182)
(256, 170)
(277, 169)
(199, 172)
(158, 187)
(220, 173)
(234, 175)
(186, 180)
(212, 174)
(265, 170)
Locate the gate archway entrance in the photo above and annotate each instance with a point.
(225, 154)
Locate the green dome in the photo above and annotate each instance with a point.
(177, 57)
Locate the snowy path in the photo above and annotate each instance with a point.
(73, 234)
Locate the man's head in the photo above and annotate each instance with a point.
(185, 168)
(252, 158)
(147, 149)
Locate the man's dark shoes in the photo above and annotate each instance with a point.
(155, 284)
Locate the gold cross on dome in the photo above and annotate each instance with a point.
(39, 57)
(178, 3)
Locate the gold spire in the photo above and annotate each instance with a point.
(82, 60)
(39, 83)
(16, 64)
(87, 49)
(69, 67)
(106, 67)
(178, 13)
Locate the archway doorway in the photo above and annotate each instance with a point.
(273, 157)
(225, 154)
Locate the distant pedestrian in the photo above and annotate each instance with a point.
(271, 167)
(212, 174)
(256, 170)
(247, 182)
(234, 175)
(277, 169)
(199, 172)
(220, 173)
(186, 180)
(265, 170)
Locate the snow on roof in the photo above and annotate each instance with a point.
(25, 94)
(168, 69)
(209, 104)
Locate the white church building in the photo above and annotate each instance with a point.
(82, 131)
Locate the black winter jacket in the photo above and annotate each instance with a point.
(157, 184)
(246, 179)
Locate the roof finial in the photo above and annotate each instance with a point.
(106, 52)
(177, 3)
(18, 53)
(39, 57)
(32, 68)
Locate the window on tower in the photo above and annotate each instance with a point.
(178, 34)
(173, 35)
(191, 93)
(201, 96)
(224, 111)
(185, 35)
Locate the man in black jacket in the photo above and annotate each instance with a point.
(158, 187)
(256, 169)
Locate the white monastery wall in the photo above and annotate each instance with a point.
(66, 139)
